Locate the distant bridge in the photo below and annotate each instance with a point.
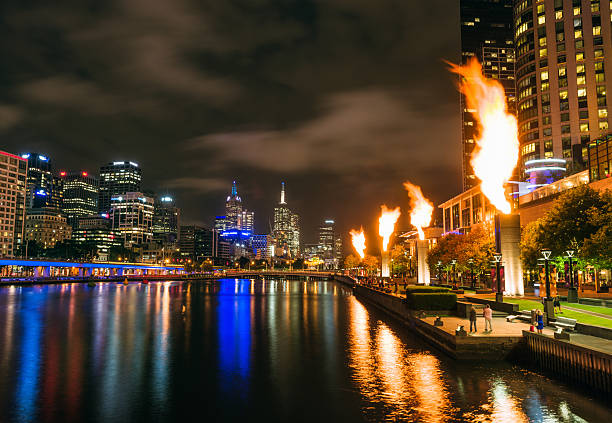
(271, 274)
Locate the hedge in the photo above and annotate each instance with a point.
(425, 289)
(432, 300)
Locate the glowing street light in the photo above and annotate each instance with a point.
(548, 302)
(572, 292)
(499, 296)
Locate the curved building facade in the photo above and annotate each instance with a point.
(563, 75)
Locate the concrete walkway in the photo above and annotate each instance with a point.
(500, 326)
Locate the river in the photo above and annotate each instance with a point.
(241, 350)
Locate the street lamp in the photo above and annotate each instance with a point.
(439, 265)
(471, 263)
(572, 292)
(499, 296)
(548, 302)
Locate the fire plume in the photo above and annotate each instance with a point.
(497, 146)
(386, 224)
(359, 244)
(422, 208)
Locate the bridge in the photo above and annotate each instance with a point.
(272, 274)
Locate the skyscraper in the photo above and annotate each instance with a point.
(132, 215)
(43, 189)
(13, 174)
(117, 178)
(80, 196)
(563, 51)
(233, 209)
(286, 228)
(326, 239)
(166, 220)
(486, 34)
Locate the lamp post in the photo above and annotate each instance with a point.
(410, 266)
(471, 263)
(572, 292)
(439, 265)
(454, 263)
(549, 309)
(499, 296)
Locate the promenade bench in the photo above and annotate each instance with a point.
(522, 315)
(565, 323)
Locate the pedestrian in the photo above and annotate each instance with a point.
(488, 316)
(540, 320)
(473, 319)
(557, 303)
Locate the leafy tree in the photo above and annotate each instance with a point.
(351, 261)
(299, 264)
(371, 263)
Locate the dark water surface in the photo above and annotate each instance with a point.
(240, 350)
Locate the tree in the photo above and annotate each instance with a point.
(371, 263)
(351, 261)
(581, 219)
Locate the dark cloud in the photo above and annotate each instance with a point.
(343, 99)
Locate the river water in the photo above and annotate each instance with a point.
(241, 350)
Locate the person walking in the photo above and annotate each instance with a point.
(540, 320)
(488, 316)
(473, 320)
(557, 303)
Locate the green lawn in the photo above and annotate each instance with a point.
(602, 310)
(580, 317)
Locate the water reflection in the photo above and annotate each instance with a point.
(245, 349)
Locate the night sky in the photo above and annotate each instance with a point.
(341, 99)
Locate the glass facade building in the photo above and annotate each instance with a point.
(117, 178)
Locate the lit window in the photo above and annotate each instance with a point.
(559, 14)
(597, 30)
(602, 113)
(561, 71)
(548, 154)
(598, 52)
(576, 10)
(541, 20)
(578, 33)
(580, 56)
(584, 127)
(603, 125)
(563, 94)
(582, 92)
(544, 75)
(542, 42)
(543, 52)
(579, 69)
(581, 80)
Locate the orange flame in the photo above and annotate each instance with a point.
(359, 244)
(422, 208)
(386, 224)
(497, 145)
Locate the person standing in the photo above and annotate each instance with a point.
(540, 320)
(473, 319)
(488, 316)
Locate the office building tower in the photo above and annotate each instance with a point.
(198, 242)
(117, 178)
(47, 226)
(96, 230)
(286, 228)
(247, 221)
(166, 221)
(233, 208)
(132, 215)
(221, 223)
(80, 191)
(43, 190)
(263, 246)
(486, 34)
(563, 54)
(327, 236)
(13, 175)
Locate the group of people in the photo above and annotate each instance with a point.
(487, 313)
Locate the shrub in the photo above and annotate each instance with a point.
(426, 289)
(432, 300)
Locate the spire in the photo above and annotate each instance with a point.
(234, 189)
(282, 200)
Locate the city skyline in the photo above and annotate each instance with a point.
(228, 103)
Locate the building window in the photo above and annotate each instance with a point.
(602, 113)
(584, 127)
(598, 52)
(603, 125)
(564, 117)
(583, 114)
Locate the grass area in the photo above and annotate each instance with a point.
(580, 317)
(597, 309)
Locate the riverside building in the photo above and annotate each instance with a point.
(43, 189)
(286, 229)
(563, 74)
(47, 226)
(13, 175)
(132, 216)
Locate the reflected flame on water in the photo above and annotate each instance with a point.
(433, 398)
(505, 407)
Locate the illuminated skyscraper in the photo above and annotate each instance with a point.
(166, 221)
(80, 196)
(286, 228)
(13, 174)
(233, 209)
(43, 189)
(486, 34)
(132, 215)
(564, 60)
(117, 178)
